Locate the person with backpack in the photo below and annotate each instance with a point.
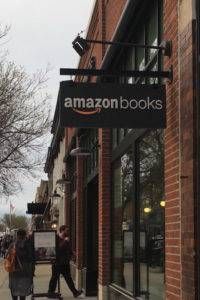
(21, 277)
(61, 265)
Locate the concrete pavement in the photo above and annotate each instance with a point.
(41, 280)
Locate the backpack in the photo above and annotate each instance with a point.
(9, 260)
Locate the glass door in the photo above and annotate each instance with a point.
(151, 204)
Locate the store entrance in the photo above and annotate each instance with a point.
(151, 216)
(91, 242)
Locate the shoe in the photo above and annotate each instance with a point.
(78, 293)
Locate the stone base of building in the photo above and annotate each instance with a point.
(77, 276)
(102, 292)
(78, 279)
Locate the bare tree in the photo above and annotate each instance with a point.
(4, 30)
(14, 221)
(24, 121)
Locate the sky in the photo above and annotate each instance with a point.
(41, 34)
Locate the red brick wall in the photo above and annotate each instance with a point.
(172, 162)
(104, 206)
(187, 161)
(179, 160)
(113, 11)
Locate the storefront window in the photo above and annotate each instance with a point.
(152, 30)
(138, 202)
(73, 224)
(151, 216)
(122, 220)
(90, 142)
(138, 58)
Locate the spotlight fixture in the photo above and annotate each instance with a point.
(80, 45)
(80, 151)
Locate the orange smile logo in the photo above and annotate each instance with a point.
(82, 112)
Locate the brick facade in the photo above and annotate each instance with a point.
(187, 124)
(104, 207)
(172, 161)
(179, 139)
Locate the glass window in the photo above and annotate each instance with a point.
(114, 138)
(130, 63)
(140, 52)
(122, 222)
(152, 39)
(73, 224)
(90, 141)
(152, 30)
(151, 216)
(138, 251)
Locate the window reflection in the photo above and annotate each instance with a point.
(151, 216)
(122, 250)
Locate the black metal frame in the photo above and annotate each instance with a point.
(82, 44)
(56, 295)
(132, 73)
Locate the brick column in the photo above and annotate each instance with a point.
(179, 153)
(102, 25)
(104, 212)
(172, 160)
(187, 162)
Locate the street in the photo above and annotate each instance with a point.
(41, 280)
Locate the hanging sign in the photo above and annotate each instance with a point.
(112, 105)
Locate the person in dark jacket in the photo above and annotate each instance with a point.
(61, 265)
(21, 280)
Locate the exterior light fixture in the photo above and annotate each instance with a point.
(80, 45)
(56, 195)
(162, 203)
(80, 151)
(63, 180)
(54, 225)
(147, 210)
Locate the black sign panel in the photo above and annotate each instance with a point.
(112, 105)
(36, 208)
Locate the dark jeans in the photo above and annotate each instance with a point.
(65, 271)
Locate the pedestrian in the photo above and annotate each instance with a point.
(62, 264)
(1, 242)
(21, 279)
(5, 244)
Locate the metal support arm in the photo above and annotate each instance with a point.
(96, 72)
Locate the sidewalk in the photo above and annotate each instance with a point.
(41, 280)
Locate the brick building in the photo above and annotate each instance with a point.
(132, 205)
